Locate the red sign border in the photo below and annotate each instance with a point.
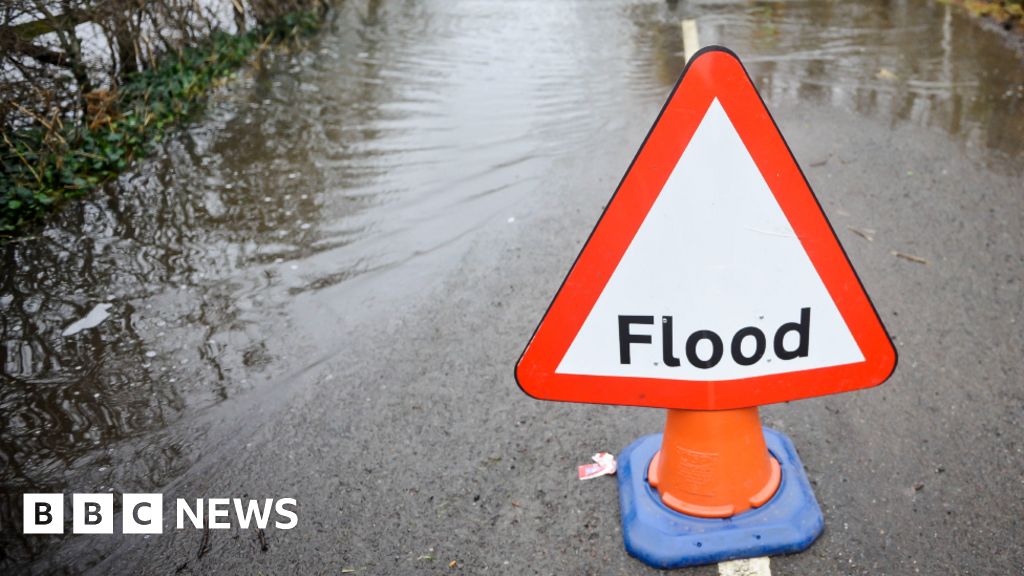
(714, 72)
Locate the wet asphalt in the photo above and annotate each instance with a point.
(417, 444)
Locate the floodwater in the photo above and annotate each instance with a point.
(330, 182)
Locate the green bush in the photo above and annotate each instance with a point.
(55, 160)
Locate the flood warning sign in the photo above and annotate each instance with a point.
(713, 280)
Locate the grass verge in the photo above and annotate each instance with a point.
(1007, 13)
(55, 159)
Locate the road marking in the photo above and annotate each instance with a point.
(745, 567)
(690, 42)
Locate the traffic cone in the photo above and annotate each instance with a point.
(715, 486)
(714, 464)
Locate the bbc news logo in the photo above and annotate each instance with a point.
(144, 513)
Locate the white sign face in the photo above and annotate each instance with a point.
(715, 284)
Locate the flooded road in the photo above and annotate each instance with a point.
(334, 189)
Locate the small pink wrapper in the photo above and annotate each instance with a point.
(604, 465)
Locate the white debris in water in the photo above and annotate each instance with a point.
(94, 318)
(150, 354)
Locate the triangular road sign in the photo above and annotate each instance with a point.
(713, 280)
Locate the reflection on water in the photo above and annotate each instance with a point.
(403, 129)
(905, 61)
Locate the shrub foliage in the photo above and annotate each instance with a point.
(87, 84)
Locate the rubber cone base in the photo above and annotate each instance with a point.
(661, 537)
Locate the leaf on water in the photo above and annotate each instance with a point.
(94, 318)
(886, 74)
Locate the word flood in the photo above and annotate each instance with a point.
(797, 349)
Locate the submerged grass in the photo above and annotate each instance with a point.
(56, 159)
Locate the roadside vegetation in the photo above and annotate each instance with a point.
(1007, 13)
(87, 85)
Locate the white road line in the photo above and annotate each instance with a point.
(690, 42)
(745, 567)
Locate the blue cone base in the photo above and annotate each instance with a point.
(664, 538)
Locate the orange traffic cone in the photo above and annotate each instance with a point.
(714, 464)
